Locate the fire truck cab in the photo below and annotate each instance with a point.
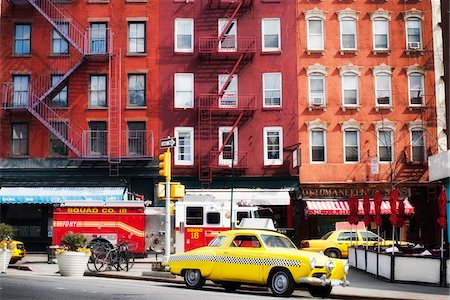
(198, 222)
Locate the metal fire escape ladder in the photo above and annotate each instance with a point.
(205, 138)
(114, 114)
(233, 10)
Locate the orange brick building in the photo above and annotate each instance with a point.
(367, 106)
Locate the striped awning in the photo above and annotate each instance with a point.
(340, 207)
(58, 195)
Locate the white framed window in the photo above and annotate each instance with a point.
(416, 89)
(316, 89)
(136, 37)
(229, 154)
(318, 145)
(59, 100)
(229, 97)
(22, 38)
(271, 34)
(348, 33)
(383, 85)
(418, 153)
(59, 43)
(184, 90)
(184, 35)
(273, 146)
(272, 89)
(315, 34)
(350, 82)
(136, 89)
(380, 27)
(97, 91)
(21, 90)
(351, 146)
(413, 33)
(228, 42)
(385, 145)
(184, 149)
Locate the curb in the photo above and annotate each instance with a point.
(21, 268)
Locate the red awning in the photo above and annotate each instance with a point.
(340, 207)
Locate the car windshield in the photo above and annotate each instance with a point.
(274, 241)
(326, 235)
(217, 241)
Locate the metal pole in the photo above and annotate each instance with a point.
(232, 184)
(167, 219)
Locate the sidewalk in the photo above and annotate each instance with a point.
(362, 285)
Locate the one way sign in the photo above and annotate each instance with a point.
(168, 142)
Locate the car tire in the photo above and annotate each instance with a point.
(281, 283)
(230, 286)
(333, 253)
(13, 261)
(320, 291)
(194, 279)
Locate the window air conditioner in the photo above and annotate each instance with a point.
(414, 45)
(317, 101)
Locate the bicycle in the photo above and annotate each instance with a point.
(98, 247)
(118, 257)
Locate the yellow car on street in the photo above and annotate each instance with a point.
(335, 243)
(17, 248)
(259, 257)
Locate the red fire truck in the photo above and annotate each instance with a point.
(114, 222)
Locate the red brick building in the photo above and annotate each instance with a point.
(79, 99)
(367, 106)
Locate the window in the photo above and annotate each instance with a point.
(19, 139)
(229, 97)
(57, 147)
(137, 139)
(317, 145)
(414, 34)
(369, 236)
(184, 150)
(59, 43)
(212, 218)
(217, 241)
(246, 241)
(350, 89)
(184, 35)
(136, 37)
(97, 91)
(97, 138)
(385, 145)
(417, 145)
(20, 92)
(136, 89)
(273, 146)
(229, 154)
(98, 37)
(380, 33)
(194, 215)
(184, 90)
(228, 42)
(347, 236)
(416, 92)
(351, 145)
(59, 100)
(22, 39)
(315, 34)
(348, 33)
(383, 89)
(272, 89)
(271, 35)
(316, 89)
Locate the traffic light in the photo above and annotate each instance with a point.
(164, 164)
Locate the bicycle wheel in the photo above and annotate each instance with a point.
(101, 263)
(91, 264)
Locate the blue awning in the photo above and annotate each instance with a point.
(58, 195)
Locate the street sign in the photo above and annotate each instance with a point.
(168, 142)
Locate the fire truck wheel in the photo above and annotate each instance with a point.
(194, 279)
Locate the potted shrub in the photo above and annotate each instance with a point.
(6, 237)
(72, 256)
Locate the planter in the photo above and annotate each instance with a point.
(72, 263)
(4, 260)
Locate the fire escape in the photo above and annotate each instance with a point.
(91, 46)
(227, 107)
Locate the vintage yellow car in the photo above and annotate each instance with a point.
(259, 257)
(335, 243)
(17, 248)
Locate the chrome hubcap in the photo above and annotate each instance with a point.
(280, 282)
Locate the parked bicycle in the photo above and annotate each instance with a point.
(106, 257)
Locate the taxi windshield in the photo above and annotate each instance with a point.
(273, 241)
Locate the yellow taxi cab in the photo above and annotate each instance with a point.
(335, 243)
(259, 257)
(17, 248)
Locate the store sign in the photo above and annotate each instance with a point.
(332, 192)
